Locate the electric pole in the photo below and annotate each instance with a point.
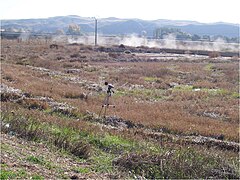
(95, 31)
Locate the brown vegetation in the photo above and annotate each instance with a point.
(191, 97)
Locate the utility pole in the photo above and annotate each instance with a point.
(95, 31)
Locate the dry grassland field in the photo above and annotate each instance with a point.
(175, 116)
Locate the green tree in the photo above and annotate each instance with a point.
(196, 37)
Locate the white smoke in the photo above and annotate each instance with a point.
(88, 40)
(59, 38)
(24, 36)
(219, 45)
(169, 41)
(134, 40)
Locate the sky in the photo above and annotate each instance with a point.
(206, 11)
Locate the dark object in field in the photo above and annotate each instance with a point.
(53, 46)
(121, 46)
(74, 177)
(219, 137)
(127, 52)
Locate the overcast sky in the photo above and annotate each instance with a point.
(197, 10)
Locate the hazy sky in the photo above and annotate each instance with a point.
(197, 10)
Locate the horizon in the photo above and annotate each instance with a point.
(203, 11)
(123, 19)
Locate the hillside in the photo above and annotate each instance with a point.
(115, 26)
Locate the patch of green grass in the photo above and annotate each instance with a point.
(120, 92)
(23, 62)
(8, 174)
(40, 160)
(235, 95)
(83, 170)
(149, 147)
(3, 165)
(150, 79)
(69, 139)
(37, 177)
(108, 147)
(110, 143)
(138, 92)
(5, 174)
(22, 173)
(5, 147)
(208, 67)
(183, 88)
(214, 92)
(35, 160)
(102, 162)
(146, 94)
(116, 140)
(90, 69)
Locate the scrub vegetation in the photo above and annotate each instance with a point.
(175, 117)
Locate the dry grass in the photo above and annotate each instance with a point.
(175, 97)
(171, 116)
(181, 111)
(131, 151)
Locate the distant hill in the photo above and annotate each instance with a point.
(114, 26)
